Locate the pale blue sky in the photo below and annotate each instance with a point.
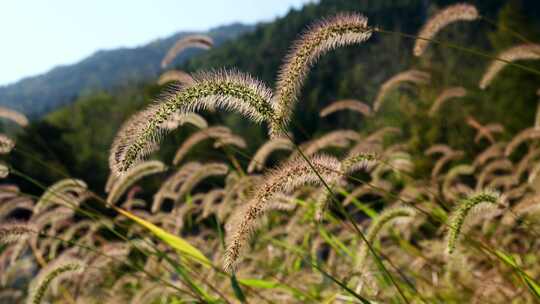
(37, 35)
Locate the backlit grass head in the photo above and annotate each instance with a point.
(318, 39)
(228, 90)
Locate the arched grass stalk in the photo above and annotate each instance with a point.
(346, 104)
(288, 177)
(318, 39)
(447, 94)
(179, 119)
(14, 116)
(520, 52)
(58, 193)
(413, 76)
(133, 175)
(175, 76)
(348, 165)
(60, 268)
(448, 15)
(14, 231)
(388, 216)
(191, 41)
(474, 203)
(259, 159)
(214, 132)
(231, 90)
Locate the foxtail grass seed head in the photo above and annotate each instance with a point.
(521, 137)
(14, 116)
(412, 76)
(448, 15)
(61, 268)
(464, 209)
(192, 41)
(358, 161)
(57, 193)
(229, 90)
(6, 144)
(259, 159)
(180, 77)
(293, 174)
(15, 231)
(179, 119)
(346, 104)
(132, 176)
(214, 132)
(447, 94)
(318, 39)
(520, 52)
(388, 216)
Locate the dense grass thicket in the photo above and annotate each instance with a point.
(386, 153)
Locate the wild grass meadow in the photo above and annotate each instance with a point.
(441, 207)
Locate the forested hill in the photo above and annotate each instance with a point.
(103, 70)
(83, 131)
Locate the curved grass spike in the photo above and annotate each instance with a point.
(6, 144)
(230, 140)
(454, 92)
(14, 116)
(337, 138)
(57, 193)
(520, 52)
(205, 171)
(348, 165)
(197, 137)
(346, 104)
(413, 76)
(230, 90)
(492, 152)
(180, 119)
(14, 231)
(386, 217)
(293, 174)
(259, 159)
(133, 175)
(62, 267)
(471, 204)
(172, 183)
(319, 38)
(448, 15)
(484, 131)
(198, 41)
(175, 76)
(521, 137)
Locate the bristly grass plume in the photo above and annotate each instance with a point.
(519, 52)
(448, 15)
(472, 204)
(196, 41)
(60, 268)
(230, 90)
(319, 38)
(295, 173)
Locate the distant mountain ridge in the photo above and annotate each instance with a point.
(104, 70)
